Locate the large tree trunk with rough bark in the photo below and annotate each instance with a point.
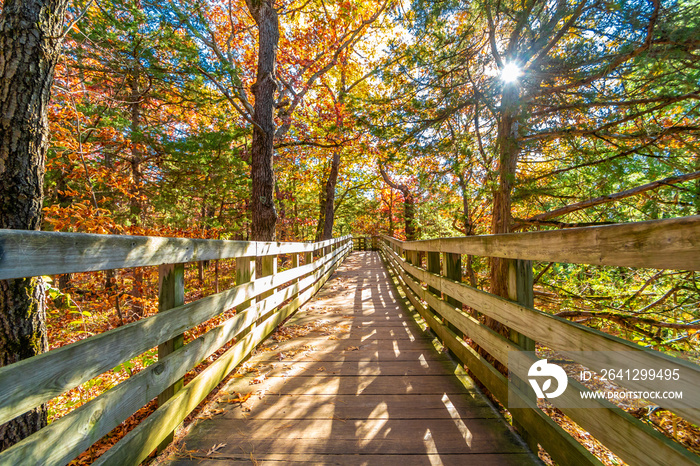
(409, 215)
(29, 49)
(507, 145)
(264, 215)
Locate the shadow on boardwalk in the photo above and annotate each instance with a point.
(355, 383)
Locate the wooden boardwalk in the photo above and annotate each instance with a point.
(357, 382)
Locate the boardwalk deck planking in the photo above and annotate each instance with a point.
(364, 386)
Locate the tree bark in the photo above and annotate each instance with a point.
(136, 207)
(29, 50)
(329, 207)
(409, 211)
(468, 227)
(264, 215)
(136, 154)
(501, 220)
(390, 232)
(321, 214)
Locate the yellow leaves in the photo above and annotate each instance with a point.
(240, 398)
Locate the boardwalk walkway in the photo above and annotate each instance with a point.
(356, 383)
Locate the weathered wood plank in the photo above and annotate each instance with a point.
(382, 434)
(449, 424)
(138, 444)
(326, 459)
(482, 335)
(245, 273)
(72, 434)
(561, 334)
(31, 382)
(663, 244)
(33, 253)
(520, 290)
(624, 434)
(558, 443)
(268, 266)
(274, 367)
(607, 424)
(485, 337)
(171, 294)
(356, 407)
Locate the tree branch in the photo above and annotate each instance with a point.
(613, 197)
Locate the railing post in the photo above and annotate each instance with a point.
(409, 257)
(245, 272)
(171, 293)
(308, 257)
(520, 289)
(434, 267)
(295, 263)
(453, 271)
(269, 267)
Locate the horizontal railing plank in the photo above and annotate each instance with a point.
(139, 443)
(70, 435)
(33, 253)
(622, 433)
(604, 423)
(661, 244)
(562, 335)
(556, 441)
(33, 381)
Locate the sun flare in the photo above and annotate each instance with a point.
(511, 72)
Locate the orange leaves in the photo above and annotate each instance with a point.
(81, 217)
(240, 398)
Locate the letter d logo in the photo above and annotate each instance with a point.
(543, 369)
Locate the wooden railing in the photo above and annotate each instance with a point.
(365, 243)
(438, 294)
(262, 301)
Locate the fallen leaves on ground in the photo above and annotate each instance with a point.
(215, 449)
(259, 379)
(240, 398)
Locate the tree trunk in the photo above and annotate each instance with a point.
(508, 157)
(390, 232)
(468, 228)
(264, 216)
(64, 281)
(321, 214)
(409, 215)
(29, 50)
(697, 186)
(329, 214)
(501, 221)
(136, 154)
(136, 207)
(409, 211)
